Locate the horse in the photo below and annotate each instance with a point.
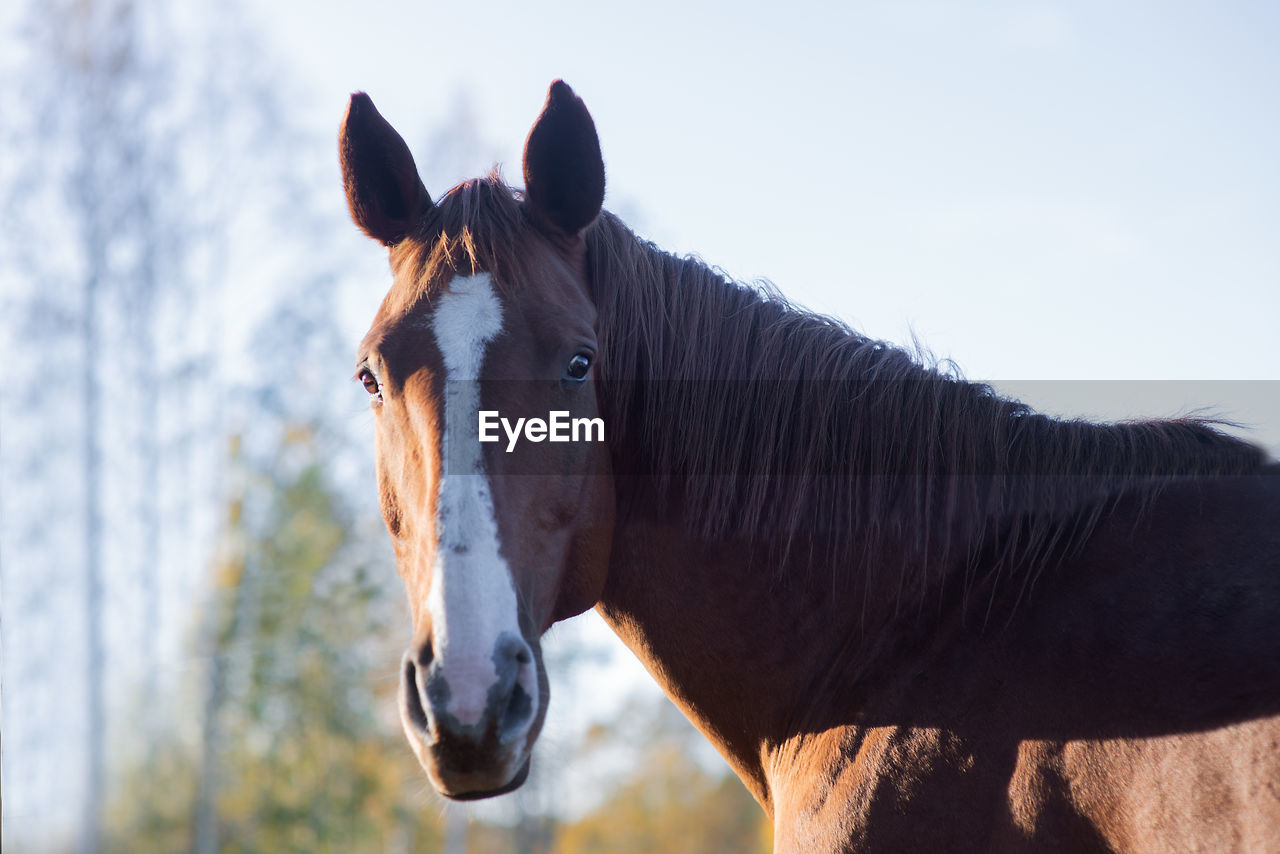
(911, 614)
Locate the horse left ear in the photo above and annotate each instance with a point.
(563, 169)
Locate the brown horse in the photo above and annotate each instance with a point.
(911, 615)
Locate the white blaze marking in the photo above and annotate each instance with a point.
(472, 599)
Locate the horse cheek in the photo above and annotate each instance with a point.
(586, 567)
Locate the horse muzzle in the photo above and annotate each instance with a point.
(471, 722)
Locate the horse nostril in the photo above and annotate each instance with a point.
(425, 655)
(510, 653)
(412, 698)
(514, 663)
(519, 710)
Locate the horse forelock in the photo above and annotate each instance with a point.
(476, 227)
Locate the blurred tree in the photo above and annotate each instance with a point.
(146, 166)
(88, 237)
(296, 754)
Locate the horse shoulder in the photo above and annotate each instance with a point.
(1130, 701)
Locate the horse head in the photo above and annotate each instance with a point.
(489, 316)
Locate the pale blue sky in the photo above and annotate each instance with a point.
(1039, 190)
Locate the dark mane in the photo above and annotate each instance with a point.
(778, 424)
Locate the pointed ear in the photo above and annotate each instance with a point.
(563, 170)
(384, 192)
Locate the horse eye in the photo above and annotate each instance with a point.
(577, 367)
(368, 380)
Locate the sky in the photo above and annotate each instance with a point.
(1038, 191)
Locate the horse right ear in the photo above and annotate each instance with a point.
(384, 192)
(563, 170)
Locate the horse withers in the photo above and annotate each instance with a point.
(912, 615)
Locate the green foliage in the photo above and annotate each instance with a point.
(306, 758)
(149, 810)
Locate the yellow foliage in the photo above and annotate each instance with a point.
(675, 807)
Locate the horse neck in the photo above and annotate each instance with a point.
(752, 653)
(751, 635)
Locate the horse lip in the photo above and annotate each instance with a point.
(467, 770)
(511, 785)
